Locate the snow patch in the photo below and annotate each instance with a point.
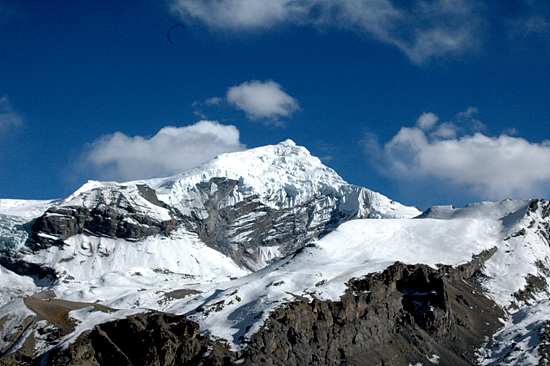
(517, 342)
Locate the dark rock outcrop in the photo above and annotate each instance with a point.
(544, 348)
(406, 314)
(143, 339)
(39, 272)
(118, 217)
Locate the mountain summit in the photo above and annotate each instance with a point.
(267, 256)
(254, 206)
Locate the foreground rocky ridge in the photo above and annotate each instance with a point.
(404, 315)
(400, 316)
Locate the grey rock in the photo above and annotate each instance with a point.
(40, 273)
(241, 230)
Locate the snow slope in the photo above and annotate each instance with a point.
(355, 249)
(14, 214)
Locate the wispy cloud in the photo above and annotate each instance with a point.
(532, 18)
(423, 31)
(9, 119)
(262, 100)
(172, 150)
(240, 15)
(213, 101)
(491, 167)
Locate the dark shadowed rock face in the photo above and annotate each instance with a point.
(544, 348)
(142, 339)
(405, 314)
(40, 273)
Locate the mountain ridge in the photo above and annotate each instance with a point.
(252, 238)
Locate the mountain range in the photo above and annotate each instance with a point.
(268, 257)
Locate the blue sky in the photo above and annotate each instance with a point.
(428, 102)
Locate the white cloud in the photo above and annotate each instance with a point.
(262, 100)
(510, 131)
(427, 30)
(213, 101)
(427, 121)
(171, 151)
(9, 119)
(446, 130)
(490, 167)
(469, 113)
(241, 15)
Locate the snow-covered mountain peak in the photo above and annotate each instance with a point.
(277, 173)
(288, 142)
(284, 160)
(88, 186)
(280, 175)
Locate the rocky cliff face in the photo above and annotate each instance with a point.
(254, 233)
(115, 212)
(401, 316)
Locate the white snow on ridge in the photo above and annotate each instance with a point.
(14, 286)
(355, 249)
(523, 252)
(517, 342)
(25, 209)
(93, 194)
(282, 169)
(485, 210)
